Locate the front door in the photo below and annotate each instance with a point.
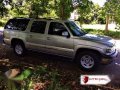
(57, 42)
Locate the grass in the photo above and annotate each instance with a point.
(113, 34)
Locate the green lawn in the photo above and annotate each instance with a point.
(99, 26)
(113, 34)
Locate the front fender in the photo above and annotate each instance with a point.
(100, 50)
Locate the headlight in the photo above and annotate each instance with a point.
(109, 51)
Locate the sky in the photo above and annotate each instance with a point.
(100, 2)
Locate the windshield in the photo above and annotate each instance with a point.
(76, 31)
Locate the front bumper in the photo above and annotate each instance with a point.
(109, 58)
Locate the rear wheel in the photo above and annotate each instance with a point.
(88, 60)
(19, 49)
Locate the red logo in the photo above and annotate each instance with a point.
(85, 79)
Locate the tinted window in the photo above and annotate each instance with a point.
(38, 26)
(56, 28)
(17, 24)
(76, 31)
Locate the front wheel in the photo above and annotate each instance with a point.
(88, 60)
(19, 49)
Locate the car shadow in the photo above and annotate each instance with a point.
(53, 62)
(33, 58)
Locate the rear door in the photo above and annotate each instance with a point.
(36, 37)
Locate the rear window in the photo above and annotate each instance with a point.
(17, 24)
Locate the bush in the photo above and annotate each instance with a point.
(3, 21)
(40, 79)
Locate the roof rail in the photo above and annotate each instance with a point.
(20, 18)
(49, 18)
(45, 18)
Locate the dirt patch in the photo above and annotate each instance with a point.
(68, 70)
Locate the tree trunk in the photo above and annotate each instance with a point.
(62, 13)
(107, 22)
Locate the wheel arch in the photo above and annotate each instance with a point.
(15, 40)
(87, 49)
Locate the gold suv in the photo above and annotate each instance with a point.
(59, 37)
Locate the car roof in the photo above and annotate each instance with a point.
(47, 19)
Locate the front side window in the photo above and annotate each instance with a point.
(38, 26)
(56, 28)
(17, 24)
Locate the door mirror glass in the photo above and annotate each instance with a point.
(65, 34)
(57, 30)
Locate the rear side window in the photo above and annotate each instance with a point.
(38, 26)
(17, 24)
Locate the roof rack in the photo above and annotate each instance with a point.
(46, 18)
(49, 18)
(20, 18)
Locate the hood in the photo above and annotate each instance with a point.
(99, 39)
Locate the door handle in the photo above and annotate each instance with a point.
(48, 38)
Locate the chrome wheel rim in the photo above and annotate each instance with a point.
(87, 61)
(18, 49)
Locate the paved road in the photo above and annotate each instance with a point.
(112, 69)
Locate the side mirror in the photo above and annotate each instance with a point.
(65, 34)
(56, 30)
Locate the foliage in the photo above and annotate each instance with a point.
(37, 8)
(84, 9)
(88, 12)
(3, 83)
(51, 79)
(98, 14)
(3, 21)
(41, 78)
(112, 8)
(3, 9)
(92, 13)
(28, 8)
(63, 8)
(113, 34)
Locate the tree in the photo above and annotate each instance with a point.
(84, 9)
(18, 8)
(28, 8)
(38, 7)
(63, 8)
(3, 9)
(112, 8)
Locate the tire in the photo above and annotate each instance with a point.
(88, 60)
(19, 48)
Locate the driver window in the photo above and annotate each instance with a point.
(56, 29)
